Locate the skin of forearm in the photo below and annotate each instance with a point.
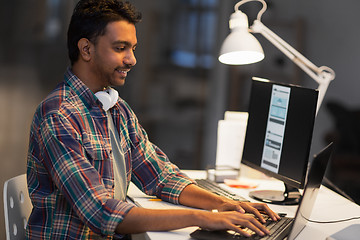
(140, 220)
(194, 196)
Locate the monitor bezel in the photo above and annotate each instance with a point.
(287, 181)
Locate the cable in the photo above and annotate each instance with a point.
(333, 221)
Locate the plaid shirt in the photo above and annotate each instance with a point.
(69, 165)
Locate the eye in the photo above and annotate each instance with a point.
(120, 48)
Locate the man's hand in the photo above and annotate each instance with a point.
(230, 213)
(232, 220)
(197, 197)
(254, 208)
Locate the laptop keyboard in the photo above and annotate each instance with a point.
(215, 188)
(275, 228)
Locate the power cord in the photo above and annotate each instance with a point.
(334, 221)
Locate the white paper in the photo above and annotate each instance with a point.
(230, 139)
(236, 116)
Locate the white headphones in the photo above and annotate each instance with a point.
(108, 98)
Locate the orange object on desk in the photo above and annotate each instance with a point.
(239, 184)
(155, 199)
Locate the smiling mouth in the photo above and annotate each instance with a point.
(123, 72)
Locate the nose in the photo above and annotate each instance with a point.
(130, 58)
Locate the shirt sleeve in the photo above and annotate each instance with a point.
(76, 178)
(153, 173)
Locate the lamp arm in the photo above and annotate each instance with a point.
(322, 75)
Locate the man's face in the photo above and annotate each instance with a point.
(113, 54)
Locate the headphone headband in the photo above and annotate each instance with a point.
(108, 98)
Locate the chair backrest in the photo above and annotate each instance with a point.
(17, 207)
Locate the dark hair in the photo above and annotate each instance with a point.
(90, 18)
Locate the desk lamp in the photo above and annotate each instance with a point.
(241, 47)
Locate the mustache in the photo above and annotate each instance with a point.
(126, 67)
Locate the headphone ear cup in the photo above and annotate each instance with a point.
(105, 99)
(114, 95)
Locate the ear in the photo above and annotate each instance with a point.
(84, 46)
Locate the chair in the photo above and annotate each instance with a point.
(17, 207)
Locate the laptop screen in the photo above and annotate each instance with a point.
(314, 180)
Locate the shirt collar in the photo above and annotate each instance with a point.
(84, 93)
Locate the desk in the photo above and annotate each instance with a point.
(328, 206)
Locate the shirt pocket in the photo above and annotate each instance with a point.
(99, 157)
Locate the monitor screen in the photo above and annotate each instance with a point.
(279, 133)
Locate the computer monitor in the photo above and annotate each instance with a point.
(278, 136)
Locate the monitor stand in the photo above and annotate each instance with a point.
(291, 196)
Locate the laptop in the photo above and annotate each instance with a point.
(285, 227)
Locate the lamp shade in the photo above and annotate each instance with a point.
(240, 46)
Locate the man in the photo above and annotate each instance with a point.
(85, 148)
